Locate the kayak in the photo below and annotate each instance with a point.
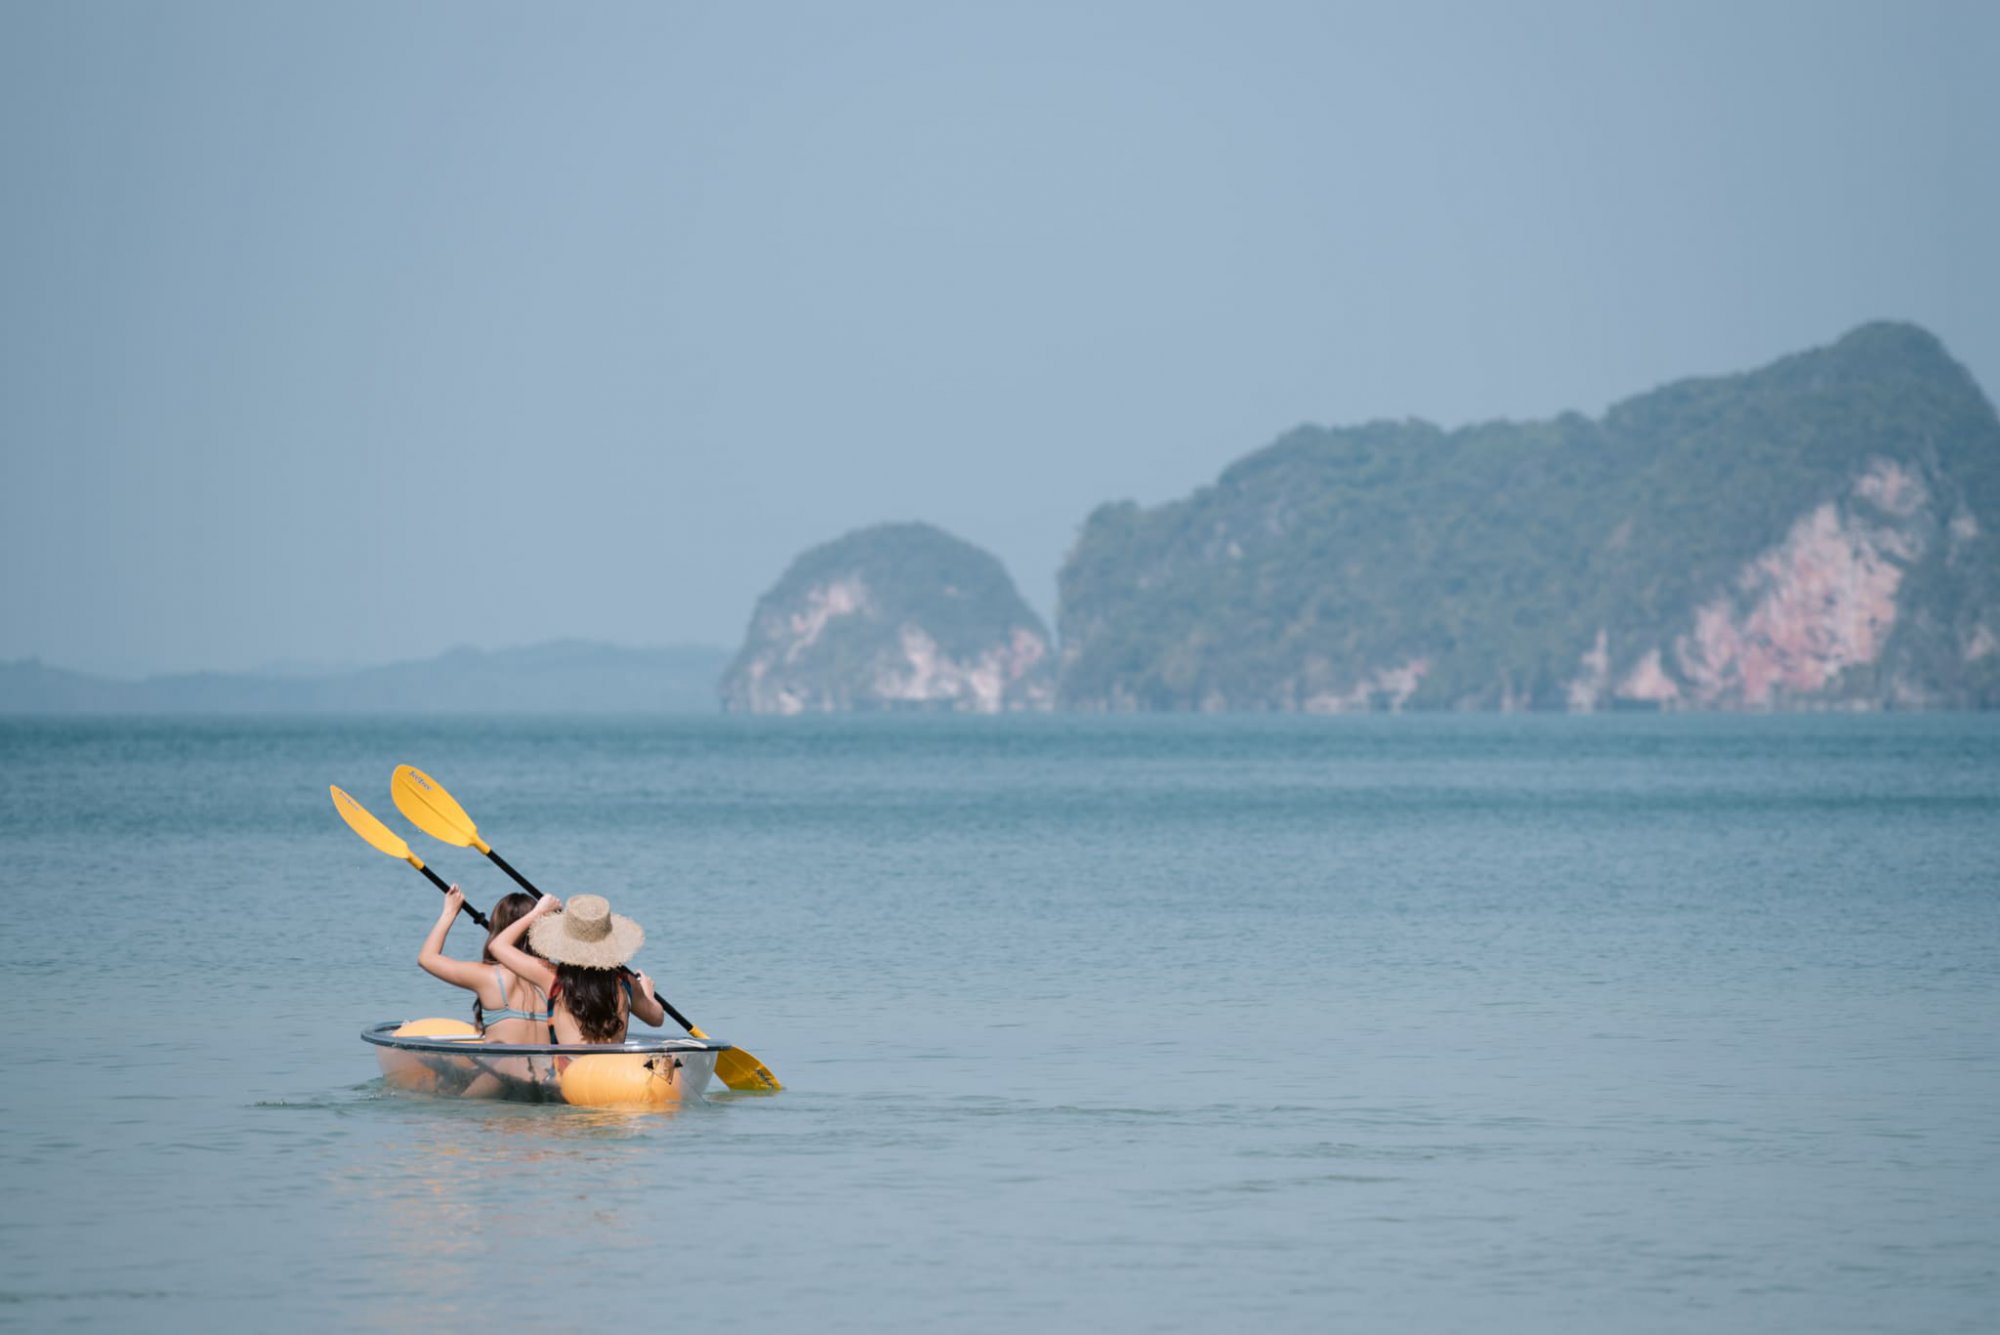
(449, 1058)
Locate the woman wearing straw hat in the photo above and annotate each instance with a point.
(583, 950)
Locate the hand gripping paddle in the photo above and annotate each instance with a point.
(434, 811)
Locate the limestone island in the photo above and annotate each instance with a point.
(1820, 533)
(894, 617)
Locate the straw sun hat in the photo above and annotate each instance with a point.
(585, 932)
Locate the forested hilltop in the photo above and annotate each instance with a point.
(893, 617)
(1822, 532)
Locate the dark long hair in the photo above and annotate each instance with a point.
(504, 913)
(591, 996)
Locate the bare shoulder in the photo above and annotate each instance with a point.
(517, 983)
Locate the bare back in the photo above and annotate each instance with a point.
(515, 1010)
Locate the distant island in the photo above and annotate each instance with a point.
(568, 676)
(894, 617)
(1820, 533)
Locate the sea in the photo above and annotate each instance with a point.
(1385, 1023)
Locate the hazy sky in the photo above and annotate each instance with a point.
(351, 332)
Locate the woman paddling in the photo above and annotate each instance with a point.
(579, 961)
(507, 1007)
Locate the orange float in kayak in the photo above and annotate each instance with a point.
(406, 1071)
(437, 1028)
(626, 1080)
(448, 1058)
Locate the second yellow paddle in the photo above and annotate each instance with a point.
(434, 811)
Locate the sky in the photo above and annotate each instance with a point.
(347, 333)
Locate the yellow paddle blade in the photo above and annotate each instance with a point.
(739, 1070)
(431, 809)
(736, 1068)
(365, 825)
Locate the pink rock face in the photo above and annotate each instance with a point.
(1586, 689)
(919, 673)
(1797, 617)
(1648, 682)
(982, 685)
(1026, 650)
(1818, 604)
(1892, 488)
(1391, 685)
(838, 599)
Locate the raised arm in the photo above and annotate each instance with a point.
(644, 1004)
(506, 947)
(459, 973)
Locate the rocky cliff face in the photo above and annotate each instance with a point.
(1816, 534)
(901, 616)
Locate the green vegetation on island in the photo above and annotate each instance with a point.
(898, 616)
(1824, 531)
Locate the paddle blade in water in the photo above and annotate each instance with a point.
(735, 1068)
(365, 825)
(739, 1070)
(431, 809)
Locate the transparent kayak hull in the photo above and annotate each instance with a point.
(427, 1057)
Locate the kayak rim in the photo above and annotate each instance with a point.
(384, 1036)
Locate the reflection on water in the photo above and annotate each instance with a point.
(455, 1187)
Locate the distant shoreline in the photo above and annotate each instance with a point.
(558, 677)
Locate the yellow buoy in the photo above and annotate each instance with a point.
(623, 1080)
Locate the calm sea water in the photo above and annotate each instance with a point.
(1630, 1024)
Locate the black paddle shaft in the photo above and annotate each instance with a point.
(519, 879)
(464, 907)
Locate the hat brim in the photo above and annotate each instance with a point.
(553, 942)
